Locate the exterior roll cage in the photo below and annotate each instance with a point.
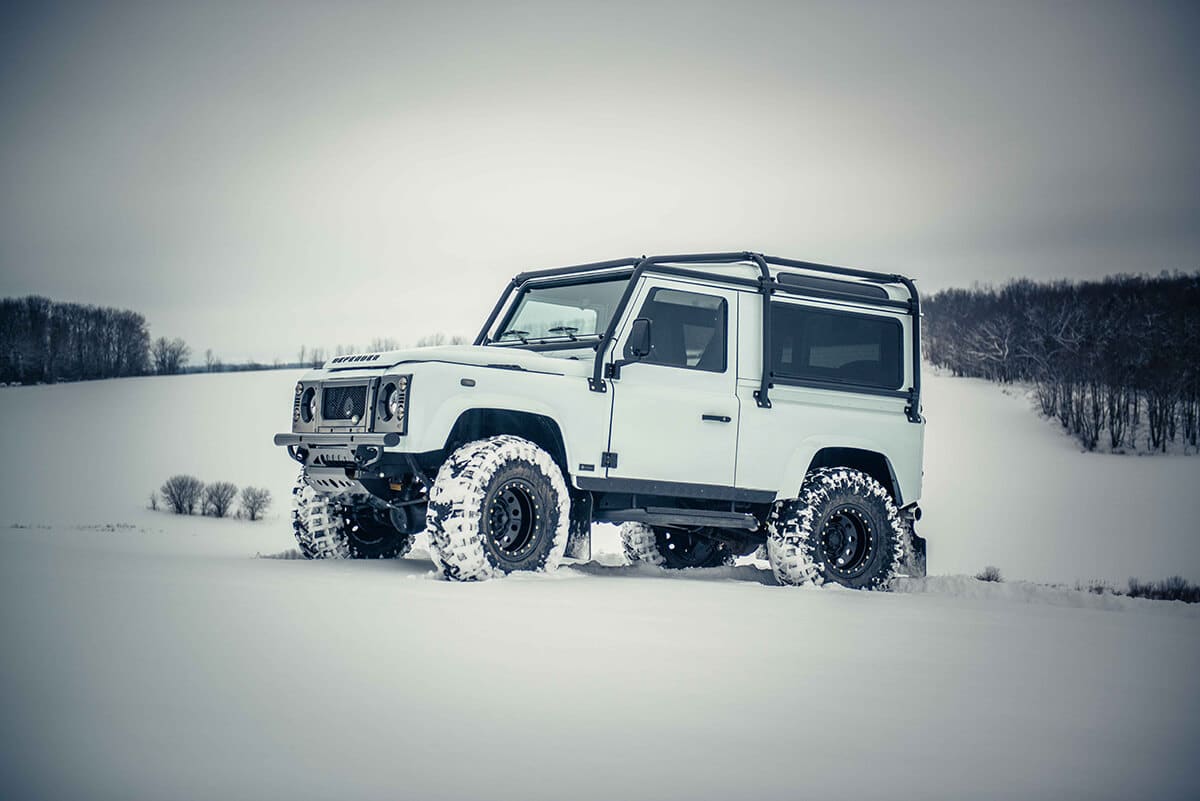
(766, 285)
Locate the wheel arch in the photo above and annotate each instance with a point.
(480, 422)
(873, 463)
(857, 455)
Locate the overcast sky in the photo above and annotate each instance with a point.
(254, 177)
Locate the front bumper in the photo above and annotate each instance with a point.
(337, 450)
(390, 440)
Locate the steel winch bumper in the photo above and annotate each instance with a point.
(333, 462)
(343, 450)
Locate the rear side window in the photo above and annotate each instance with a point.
(687, 329)
(841, 347)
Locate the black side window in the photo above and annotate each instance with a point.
(687, 329)
(845, 348)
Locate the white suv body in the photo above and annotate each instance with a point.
(756, 371)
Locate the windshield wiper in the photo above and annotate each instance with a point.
(569, 330)
(514, 332)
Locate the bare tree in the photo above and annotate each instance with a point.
(211, 362)
(219, 497)
(255, 502)
(169, 356)
(182, 494)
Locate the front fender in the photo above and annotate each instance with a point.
(442, 393)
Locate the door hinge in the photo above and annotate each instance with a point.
(608, 459)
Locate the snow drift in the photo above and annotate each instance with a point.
(150, 656)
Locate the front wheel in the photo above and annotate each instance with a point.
(498, 505)
(318, 524)
(844, 528)
(327, 528)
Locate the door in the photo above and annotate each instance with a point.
(675, 412)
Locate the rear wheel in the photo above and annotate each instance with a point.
(672, 548)
(843, 528)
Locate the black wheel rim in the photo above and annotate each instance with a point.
(847, 542)
(513, 519)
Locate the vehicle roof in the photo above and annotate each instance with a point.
(748, 266)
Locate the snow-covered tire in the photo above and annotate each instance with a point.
(318, 524)
(674, 550)
(841, 514)
(498, 505)
(640, 544)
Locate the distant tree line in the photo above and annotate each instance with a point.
(1117, 361)
(42, 342)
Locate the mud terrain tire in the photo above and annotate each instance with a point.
(498, 505)
(318, 524)
(673, 550)
(844, 528)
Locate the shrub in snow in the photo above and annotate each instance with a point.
(989, 573)
(1175, 588)
(255, 501)
(182, 494)
(218, 498)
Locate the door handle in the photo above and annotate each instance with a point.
(717, 418)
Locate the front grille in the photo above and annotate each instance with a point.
(344, 402)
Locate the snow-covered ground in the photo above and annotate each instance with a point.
(150, 656)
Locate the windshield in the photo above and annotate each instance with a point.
(567, 312)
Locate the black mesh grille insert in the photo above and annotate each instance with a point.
(343, 403)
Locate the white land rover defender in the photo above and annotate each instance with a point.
(710, 404)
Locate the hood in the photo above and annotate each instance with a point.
(477, 355)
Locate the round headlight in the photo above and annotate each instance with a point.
(308, 405)
(395, 401)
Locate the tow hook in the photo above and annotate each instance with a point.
(366, 455)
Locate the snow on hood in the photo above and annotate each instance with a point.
(572, 362)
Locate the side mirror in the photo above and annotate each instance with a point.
(638, 346)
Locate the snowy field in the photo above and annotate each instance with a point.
(153, 657)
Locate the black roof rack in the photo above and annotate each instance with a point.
(832, 285)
